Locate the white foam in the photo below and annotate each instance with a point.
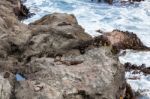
(142, 84)
(93, 16)
(135, 57)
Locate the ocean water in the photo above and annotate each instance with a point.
(93, 16)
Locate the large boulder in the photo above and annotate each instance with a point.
(13, 37)
(57, 19)
(53, 33)
(65, 23)
(97, 74)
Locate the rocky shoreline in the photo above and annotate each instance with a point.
(58, 59)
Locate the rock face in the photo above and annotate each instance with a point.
(6, 85)
(98, 76)
(5, 88)
(13, 36)
(64, 23)
(54, 34)
(59, 60)
(74, 76)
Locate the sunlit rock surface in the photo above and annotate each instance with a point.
(98, 76)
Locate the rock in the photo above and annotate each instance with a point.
(121, 40)
(13, 37)
(137, 69)
(66, 24)
(6, 86)
(55, 19)
(100, 31)
(92, 78)
(21, 11)
(13, 1)
(130, 1)
(34, 92)
(108, 1)
(84, 69)
(122, 1)
(138, 0)
(129, 92)
(50, 38)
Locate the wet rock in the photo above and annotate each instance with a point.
(108, 1)
(127, 2)
(129, 94)
(100, 31)
(138, 0)
(142, 68)
(120, 40)
(122, 1)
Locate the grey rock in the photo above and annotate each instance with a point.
(6, 85)
(99, 76)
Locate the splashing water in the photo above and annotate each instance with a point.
(93, 16)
